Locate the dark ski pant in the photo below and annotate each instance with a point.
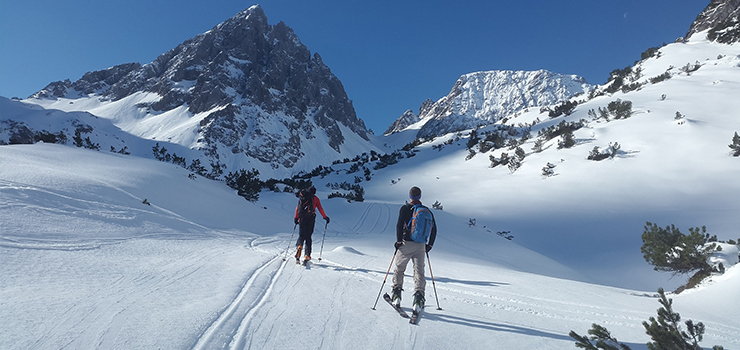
(305, 231)
(410, 251)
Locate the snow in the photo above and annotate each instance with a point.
(84, 263)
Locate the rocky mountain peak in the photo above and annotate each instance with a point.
(482, 98)
(404, 121)
(721, 18)
(263, 92)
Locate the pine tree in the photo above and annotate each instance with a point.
(246, 183)
(601, 336)
(666, 332)
(735, 145)
(670, 250)
(520, 154)
(569, 140)
(537, 148)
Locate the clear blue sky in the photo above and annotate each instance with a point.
(390, 55)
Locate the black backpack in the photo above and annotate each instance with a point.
(305, 205)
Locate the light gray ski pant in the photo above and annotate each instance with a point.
(411, 251)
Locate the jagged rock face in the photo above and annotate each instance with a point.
(722, 18)
(404, 121)
(266, 91)
(483, 98)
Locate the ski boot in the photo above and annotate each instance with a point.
(396, 299)
(298, 254)
(419, 301)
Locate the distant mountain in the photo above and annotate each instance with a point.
(244, 91)
(406, 119)
(483, 98)
(722, 19)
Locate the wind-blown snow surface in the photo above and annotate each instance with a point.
(85, 264)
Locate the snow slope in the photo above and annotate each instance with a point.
(85, 264)
(591, 214)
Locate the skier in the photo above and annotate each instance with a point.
(411, 244)
(305, 217)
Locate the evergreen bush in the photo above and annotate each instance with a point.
(246, 183)
(735, 145)
(667, 249)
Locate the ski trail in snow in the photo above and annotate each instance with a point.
(228, 329)
(376, 215)
(239, 340)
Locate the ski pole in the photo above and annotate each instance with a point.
(384, 279)
(433, 285)
(291, 240)
(322, 240)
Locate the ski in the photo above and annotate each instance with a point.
(415, 315)
(387, 298)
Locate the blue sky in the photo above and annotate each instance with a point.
(390, 55)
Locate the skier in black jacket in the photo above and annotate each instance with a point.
(410, 250)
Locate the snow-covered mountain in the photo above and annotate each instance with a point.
(246, 94)
(483, 98)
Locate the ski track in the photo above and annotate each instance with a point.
(382, 215)
(229, 328)
(236, 325)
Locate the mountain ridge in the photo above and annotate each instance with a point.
(260, 94)
(483, 98)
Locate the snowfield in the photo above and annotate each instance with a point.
(85, 264)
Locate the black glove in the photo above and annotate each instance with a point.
(429, 247)
(296, 220)
(327, 219)
(398, 245)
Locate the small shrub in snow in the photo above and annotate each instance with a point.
(514, 164)
(473, 139)
(355, 192)
(537, 148)
(658, 78)
(505, 234)
(596, 154)
(568, 141)
(620, 109)
(611, 152)
(690, 68)
(548, 170)
(519, 153)
(565, 108)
